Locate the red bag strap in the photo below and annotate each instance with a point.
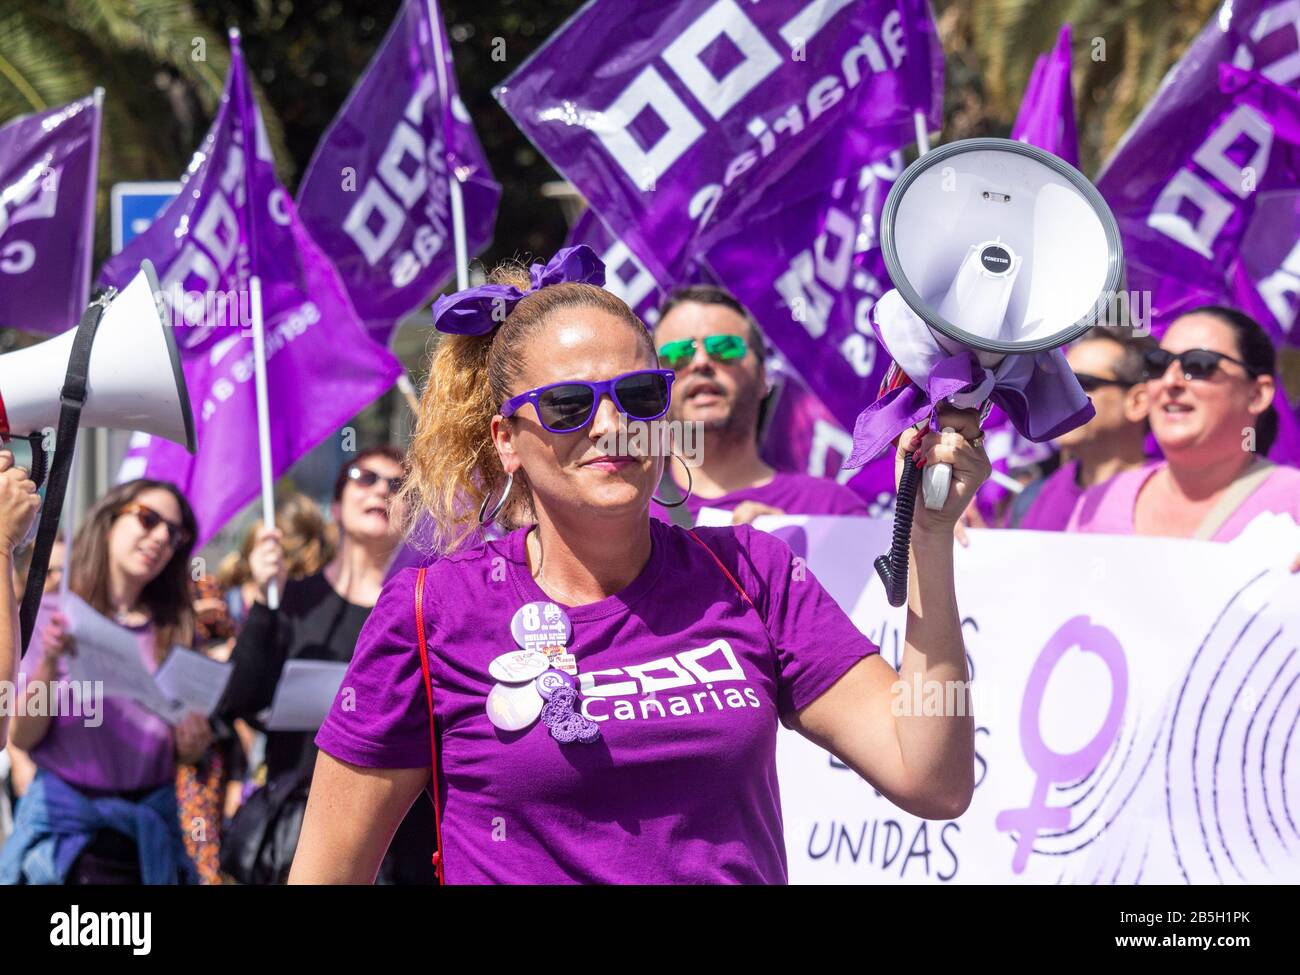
(433, 729)
(743, 595)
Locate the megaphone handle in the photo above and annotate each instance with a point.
(892, 568)
(935, 483)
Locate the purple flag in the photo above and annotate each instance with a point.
(1204, 185)
(626, 276)
(1046, 117)
(375, 194)
(811, 274)
(49, 165)
(682, 121)
(322, 367)
(803, 436)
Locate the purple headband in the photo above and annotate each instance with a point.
(477, 311)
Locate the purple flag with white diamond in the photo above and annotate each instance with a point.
(322, 367)
(375, 195)
(48, 173)
(1204, 184)
(680, 125)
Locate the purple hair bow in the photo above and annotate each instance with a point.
(477, 311)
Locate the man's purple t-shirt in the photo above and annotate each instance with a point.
(1056, 499)
(684, 678)
(1108, 508)
(793, 493)
(121, 748)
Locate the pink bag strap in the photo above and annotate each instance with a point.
(433, 729)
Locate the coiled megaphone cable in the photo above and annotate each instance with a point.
(892, 567)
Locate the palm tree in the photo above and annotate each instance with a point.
(1122, 49)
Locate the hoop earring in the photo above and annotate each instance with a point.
(690, 485)
(501, 503)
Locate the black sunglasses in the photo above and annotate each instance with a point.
(177, 535)
(1091, 383)
(1195, 363)
(365, 477)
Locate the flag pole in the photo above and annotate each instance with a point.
(922, 133)
(259, 327)
(453, 181)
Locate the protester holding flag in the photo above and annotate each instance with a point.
(18, 504)
(1210, 387)
(1110, 364)
(714, 346)
(612, 784)
(102, 807)
(319, 618)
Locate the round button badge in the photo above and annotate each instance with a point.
(536, 625)
(514, 707)
(552, 680)
(518, 666)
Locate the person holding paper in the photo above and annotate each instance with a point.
(19, 503)
(713, 344)
(1210, 385)
(319, 619)
(606, 686)
(102, 806)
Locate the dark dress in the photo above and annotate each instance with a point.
(314, 623)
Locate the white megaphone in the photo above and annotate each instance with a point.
(1000, 248)
(995, 247)
(134, 379)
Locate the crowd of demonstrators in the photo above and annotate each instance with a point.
(128, 797)
(319, 618)
(717, 352)
(132, 798)
(101, 807)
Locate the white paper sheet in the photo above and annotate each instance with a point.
(304, 694)
(108, 652)
(194, 680)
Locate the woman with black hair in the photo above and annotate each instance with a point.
(1210, 387)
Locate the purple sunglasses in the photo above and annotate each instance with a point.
(569, 406)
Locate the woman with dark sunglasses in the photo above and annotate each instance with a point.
(605, 687)
(1210, 390)
(102, 807)
(319, 618)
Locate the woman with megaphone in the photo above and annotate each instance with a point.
(102, 806)
(594, 697)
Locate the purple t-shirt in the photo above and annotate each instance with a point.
(685, 680)
(130, 748)
(1107, 508)
(1050, 511)
(793, 493)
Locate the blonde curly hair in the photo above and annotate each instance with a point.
(453, 463)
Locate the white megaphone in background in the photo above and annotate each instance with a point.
(119, 368)
(134, 381)
(993, 247)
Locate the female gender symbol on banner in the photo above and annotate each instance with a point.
(1053, 766)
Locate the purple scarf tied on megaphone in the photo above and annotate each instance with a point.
(1038, 391)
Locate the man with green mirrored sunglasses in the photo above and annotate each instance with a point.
(717, 352)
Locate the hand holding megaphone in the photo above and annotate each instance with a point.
(958, 455)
